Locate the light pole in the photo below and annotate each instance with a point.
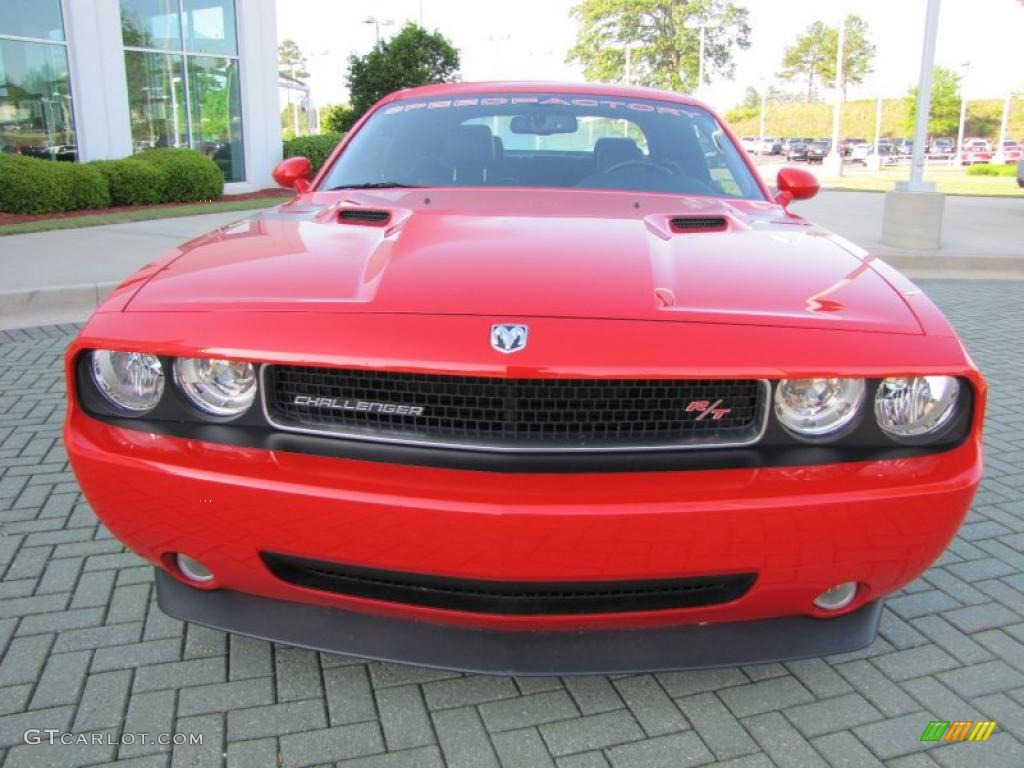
(924, 101)
(1000, 157)
(963, 114)
(764, 97)
(833, 163)
(701, 24)
(626, 46)
(378, 23)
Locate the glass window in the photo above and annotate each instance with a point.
(217, 113)
(543, 140)
(191, 97)
(151, 24)
(156, 100)
(210, 27)
(31, 18)
(35, 100)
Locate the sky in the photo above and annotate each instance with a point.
(528, 40)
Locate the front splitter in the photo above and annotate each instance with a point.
(567, 652)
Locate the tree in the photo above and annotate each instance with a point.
(664, 52)
(290, 61)
(814, 54)
(410, 58)
(338, 118)
(944, 113)
(809, 56)
(858, 53)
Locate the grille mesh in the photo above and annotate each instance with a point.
(509, 598)
(358, 216)
(698, 222)
(527, 414)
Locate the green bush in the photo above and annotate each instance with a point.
(339, 118)
(132, 182)
(985, 169)
(29, 185)
(190, 175)
(82, 186)
(316, 148)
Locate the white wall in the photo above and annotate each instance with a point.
(261, 117)
(100, 89)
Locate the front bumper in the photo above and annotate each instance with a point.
(353, 633)
(800, 529)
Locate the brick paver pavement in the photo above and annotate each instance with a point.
(86, 650)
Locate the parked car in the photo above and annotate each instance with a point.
(769, 145)
(904, 147)
(846, 146)
(817, 150)
(750, 143)
(788, 142)
(540, 411)
(975, 151)
(797, 152)
(1011, 151)
(942, 147)
(859, 152)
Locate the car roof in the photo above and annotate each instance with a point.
(515, 86)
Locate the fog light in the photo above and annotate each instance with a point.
(838, 597)
(192, 569)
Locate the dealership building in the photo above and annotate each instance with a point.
(90, 79)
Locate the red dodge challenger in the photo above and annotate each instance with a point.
(533, 379)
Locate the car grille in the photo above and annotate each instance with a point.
(522, 598)
(515, 414)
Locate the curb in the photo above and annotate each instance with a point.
(61, 300)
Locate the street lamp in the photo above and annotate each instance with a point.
(378, 23)
(764, 97)
(833, 163)
(626, 46)
(963, 113)
(701, 24)
(1000, 156)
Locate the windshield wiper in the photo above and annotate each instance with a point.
(374, 185)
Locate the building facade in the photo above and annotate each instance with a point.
(94, 79)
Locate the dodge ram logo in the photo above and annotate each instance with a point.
(508, 338)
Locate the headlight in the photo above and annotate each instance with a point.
(818, 407)
(133, 381)
(217, 387)
(911, 406)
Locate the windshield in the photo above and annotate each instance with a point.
(538, 140)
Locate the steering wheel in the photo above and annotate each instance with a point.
(646, 165)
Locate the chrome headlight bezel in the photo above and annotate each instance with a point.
(110, 370)
(204, 382)
(841, 412)
(936, 399)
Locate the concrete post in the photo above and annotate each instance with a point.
(832, 164)
(913, 211)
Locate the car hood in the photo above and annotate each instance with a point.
(517, 254)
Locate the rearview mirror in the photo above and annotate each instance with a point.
(544, 123)
(795, 184)
(294, 173)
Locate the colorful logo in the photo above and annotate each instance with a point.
(958, 730)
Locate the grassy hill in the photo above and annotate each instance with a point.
(858, 119)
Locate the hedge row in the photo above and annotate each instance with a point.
(32, 185)
(984, 169)
(316, 148)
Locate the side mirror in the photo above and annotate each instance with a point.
(294, 173)
(795, 184)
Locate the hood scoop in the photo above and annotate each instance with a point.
(364, 216)
(698, 223)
